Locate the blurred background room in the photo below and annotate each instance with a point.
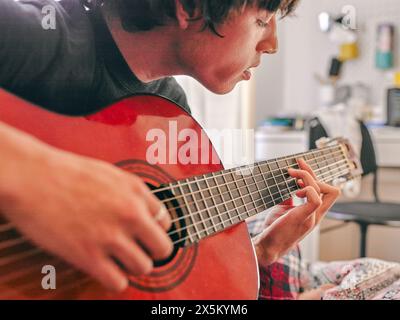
(338, 62)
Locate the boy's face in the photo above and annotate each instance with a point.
(220, 63)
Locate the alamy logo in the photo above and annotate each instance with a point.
(187, 146)
(49, 20)
(49, 280)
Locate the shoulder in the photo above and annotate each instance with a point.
(171, 89)
(36, 33)
(47, 52)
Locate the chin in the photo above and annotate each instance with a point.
(222, 88)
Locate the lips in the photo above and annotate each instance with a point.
(247, 74)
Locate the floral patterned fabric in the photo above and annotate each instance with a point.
(362, 279)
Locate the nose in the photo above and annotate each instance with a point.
(269, 44)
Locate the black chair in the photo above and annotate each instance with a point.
(363, 213)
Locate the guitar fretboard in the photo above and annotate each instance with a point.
(214, 202)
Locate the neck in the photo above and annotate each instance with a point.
(204, 205)
(151, 55)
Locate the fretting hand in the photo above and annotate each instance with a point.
(287, 226)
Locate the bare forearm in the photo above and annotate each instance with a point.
(48, 195)
(17, 150)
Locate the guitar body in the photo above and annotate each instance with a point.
(222, 266)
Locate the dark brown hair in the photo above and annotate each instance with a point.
(146, 14)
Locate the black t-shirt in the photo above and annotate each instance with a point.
(75, 68)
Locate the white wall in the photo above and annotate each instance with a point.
(286, 84)
(286, 81)
(269, 80)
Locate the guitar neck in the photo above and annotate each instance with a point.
(208, 204)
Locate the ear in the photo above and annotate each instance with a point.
(182, 16)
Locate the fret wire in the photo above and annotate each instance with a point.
(272, 202)
(334, 162)
(282, 175)
(268, 188)
(287, 163)
(196, 205)
(287, 183)
(232, 188)
(327, 160)
(286, 179)
(231, 196)
(250, 194)
(331, 165)
(222, 199)
(212, 200)
(190, 213)
(317, 162)
(239, 221)
(296, 166)
(271, 194)
(240, 193)
(276, 182)
(258, 188)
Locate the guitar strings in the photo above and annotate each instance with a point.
(204, 199)
(182, 240)
(271, 195)
(244, 186)
(226, 213)
(223, 203)
(229, 201)
(282, 175)
(230, 171)
(8, 226)
(36, 250)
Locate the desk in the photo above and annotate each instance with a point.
(387, 146)
(270, 145)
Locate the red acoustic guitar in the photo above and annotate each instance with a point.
(213, 256)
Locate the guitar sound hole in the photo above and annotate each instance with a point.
(177, 232)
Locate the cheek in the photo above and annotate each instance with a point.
(237, 57)
(229, 71)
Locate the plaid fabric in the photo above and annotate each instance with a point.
(280, 280)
